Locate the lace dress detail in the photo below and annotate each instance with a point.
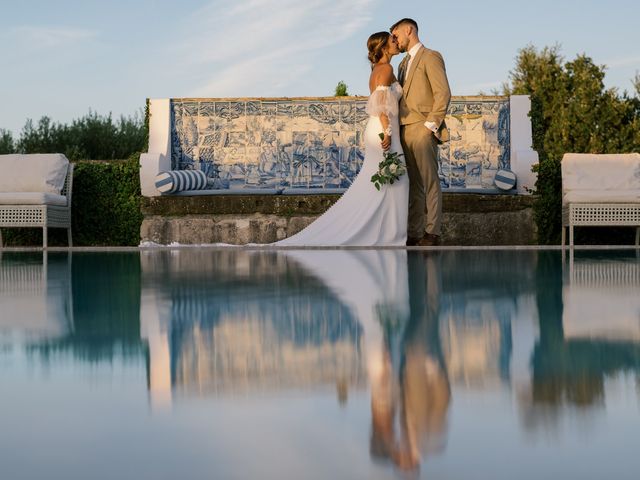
(384, 99)
(364, 216)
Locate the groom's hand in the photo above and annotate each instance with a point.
(386, 143)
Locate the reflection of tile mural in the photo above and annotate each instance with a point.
(317, 143)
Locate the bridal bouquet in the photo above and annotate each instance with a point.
(390, 168)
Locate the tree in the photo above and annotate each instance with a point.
(571, 111)
(6, 142)
(92, 136)
(341, 89)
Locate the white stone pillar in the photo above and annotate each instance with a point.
(158, 158)
(523, 157)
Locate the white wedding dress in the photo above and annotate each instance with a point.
(364, 216)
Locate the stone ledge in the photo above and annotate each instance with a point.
(468, 219)
(285, 205)
(220, 228)
(295, 205)
(332, 99)
(483, 203)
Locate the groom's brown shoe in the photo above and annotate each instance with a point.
(429, 240)
(412, 241)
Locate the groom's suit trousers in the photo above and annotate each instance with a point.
(421, 154)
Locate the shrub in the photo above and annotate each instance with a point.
(341, 89)
(106, 202)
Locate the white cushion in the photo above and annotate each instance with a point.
(38, 172)
(601, 196)
(600, 172)
(32, 198)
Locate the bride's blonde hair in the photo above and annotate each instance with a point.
(375, 45)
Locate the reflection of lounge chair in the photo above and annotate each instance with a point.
(601, 300)
(35, 191)
(35, 295)
(600, 190)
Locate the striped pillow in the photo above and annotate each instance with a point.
(180, 180)
(505, 179)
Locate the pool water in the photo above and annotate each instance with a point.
(363, 364)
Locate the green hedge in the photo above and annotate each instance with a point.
(105, 208)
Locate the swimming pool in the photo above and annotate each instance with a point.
(232, 363)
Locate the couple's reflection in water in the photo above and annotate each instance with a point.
(410, 390)
(232, 322)
(396, 295)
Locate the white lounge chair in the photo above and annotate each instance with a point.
(600, 190)
(35, 191)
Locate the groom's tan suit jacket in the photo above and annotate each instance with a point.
(426, 92)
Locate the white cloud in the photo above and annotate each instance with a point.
(623, 62)
(237, 48)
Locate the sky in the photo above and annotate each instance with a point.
(63, 58)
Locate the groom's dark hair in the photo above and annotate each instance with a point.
(410, 21)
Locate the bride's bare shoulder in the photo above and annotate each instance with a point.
(382, 67)
(382, 74)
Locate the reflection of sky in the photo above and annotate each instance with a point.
(77, 404)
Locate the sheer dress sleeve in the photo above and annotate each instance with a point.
(382, 100)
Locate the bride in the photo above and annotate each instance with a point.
(364, 216)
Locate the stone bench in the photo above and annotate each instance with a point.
(35, 191)
(600, 190)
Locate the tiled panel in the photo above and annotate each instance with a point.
(319, 143)
(479, 143)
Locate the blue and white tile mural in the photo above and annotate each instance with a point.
(317, 143)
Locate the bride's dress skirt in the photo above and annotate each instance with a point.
(364, 216)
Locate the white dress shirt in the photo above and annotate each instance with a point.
(412, 54)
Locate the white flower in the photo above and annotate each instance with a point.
(389, 169)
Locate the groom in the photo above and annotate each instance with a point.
(422, 110)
